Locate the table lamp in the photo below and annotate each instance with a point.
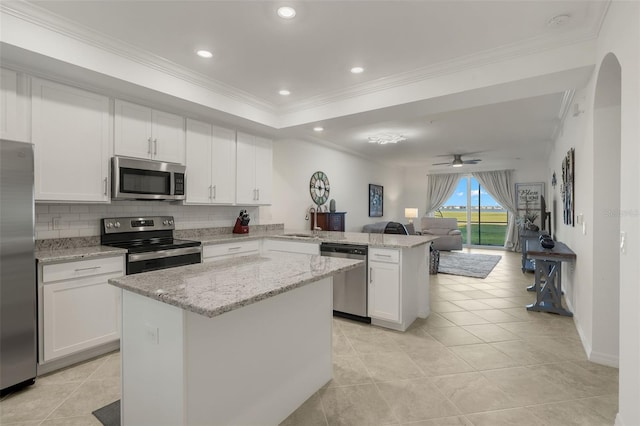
(410, 213)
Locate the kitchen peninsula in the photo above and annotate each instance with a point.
(239, 341)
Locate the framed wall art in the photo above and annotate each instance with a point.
(567, 189)
(376, 200)
(529, 195)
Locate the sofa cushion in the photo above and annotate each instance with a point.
(438, 231)
(455, 232)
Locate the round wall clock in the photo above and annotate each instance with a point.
(319, 188)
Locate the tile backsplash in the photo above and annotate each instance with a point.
(83, 220)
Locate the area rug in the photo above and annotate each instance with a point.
(467, 264)
(109, 415)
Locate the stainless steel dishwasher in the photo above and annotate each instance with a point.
(350, 287)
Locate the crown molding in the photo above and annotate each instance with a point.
(565, 105)
(47, 20)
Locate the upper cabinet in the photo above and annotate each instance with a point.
(254, 170)
(14, 111)
(211, 164)
(142, 132)
(72, 140)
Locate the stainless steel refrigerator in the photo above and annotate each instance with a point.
(18, 325)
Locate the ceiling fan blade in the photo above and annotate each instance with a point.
(440, 164)
(476, 161)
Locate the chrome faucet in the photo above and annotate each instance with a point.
(315, 219)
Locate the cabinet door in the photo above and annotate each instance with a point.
(246, 191)
(71, 134)
(133, 130)
(168, 137)
(199, 188)
(264, 166)
(14, 115)
(384, 291)
(79, 314)
(223, 166)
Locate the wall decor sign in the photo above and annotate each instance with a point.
(376, 200)
(529, 195)
(567, 189)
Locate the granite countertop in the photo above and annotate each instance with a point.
(371, 240)
(211, 289)
(76, 253)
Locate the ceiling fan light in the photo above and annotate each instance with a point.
(456, 165)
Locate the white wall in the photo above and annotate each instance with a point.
(620, 35)
(294, 162)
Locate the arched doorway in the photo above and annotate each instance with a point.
(606, 218)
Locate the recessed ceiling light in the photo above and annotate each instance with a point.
(286, 12)
(357, 70)
(558, 20)
(284, 92)
(385, 138)
(318, 129)
(204, 54)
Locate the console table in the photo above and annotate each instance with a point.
(548, 276)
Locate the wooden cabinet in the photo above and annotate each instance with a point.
(215, 252)
(142, 132)
(14, 113)
(254, 170)
(330, 221)
(71, 131)
(211, 164)
(78, 309)
(384, 285)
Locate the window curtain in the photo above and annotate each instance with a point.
(499, 184)
(439, 188)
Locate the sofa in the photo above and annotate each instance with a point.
(444, 227)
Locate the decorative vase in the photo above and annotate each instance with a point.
(332, 205)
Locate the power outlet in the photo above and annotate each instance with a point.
(55, 223)
(153, 334)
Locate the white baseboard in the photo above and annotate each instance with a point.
(593, 356)
(618, 421)
(604, 359)
(66, 361)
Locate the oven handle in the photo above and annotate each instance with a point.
(161, 254)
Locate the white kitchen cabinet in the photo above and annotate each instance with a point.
(254, 170)
(71, 131)
(289, 246)
(216, 252)
(211, 164)
(14, 113)
(142, 132)
(78, 309)
(384, 285)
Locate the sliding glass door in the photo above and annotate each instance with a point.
(481, 219)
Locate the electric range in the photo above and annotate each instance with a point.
(149, 243)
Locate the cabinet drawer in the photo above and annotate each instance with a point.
(292, 246)
(82, 268)
(244, 247)
(384, 255)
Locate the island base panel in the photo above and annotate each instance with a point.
(253, 365)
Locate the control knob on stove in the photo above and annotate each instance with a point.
(117, 225)
(165, 222)
(108, 225)
(170, 221)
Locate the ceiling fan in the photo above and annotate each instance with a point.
(458, 161)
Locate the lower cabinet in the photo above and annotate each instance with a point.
(78, 309)
(384, 285)
(215, 252)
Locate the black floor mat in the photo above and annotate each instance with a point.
(109, 415)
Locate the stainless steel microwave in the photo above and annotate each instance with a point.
(135, 179)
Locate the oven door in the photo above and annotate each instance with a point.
(162, 259)
(146, 180)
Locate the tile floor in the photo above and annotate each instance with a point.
(479, 359)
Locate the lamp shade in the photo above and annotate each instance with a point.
(410, 213)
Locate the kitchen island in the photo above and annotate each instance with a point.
(242, 341)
